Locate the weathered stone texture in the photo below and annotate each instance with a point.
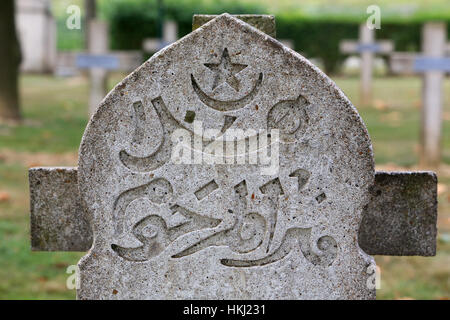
(401, 217)
(58, 220)
(264, 23)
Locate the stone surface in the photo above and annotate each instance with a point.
(58, 220)
(264, 23)
(164, 230)
(402, 215)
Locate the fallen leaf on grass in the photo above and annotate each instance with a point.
(380, 104)
(34, 164)
(446, 116)
(4, 196)
(418, 104)
(60, 265)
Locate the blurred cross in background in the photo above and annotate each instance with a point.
(367, 47)
(90, 7)
(166, 30)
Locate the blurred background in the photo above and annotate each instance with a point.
(50, 83)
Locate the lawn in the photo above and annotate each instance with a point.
(55, 115)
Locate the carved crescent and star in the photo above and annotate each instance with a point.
(225, 72)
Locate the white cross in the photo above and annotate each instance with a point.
(432, 64)
(367, 47)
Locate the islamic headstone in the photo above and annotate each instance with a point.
(367, 47)
(226, 167)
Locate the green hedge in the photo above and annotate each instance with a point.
(132, 21)
(321, 39)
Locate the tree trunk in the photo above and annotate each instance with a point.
(9, 62)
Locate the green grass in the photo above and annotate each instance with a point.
(25, 274)
(55, 115)
(393, 120)
(55, 111)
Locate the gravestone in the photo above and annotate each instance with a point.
(98, 62)
(367, 47)
(434, 39)
(226, 167)
(432, 64)
(71, 63)
(402, 63)
(37, 32)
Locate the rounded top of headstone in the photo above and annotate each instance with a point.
(226, 152)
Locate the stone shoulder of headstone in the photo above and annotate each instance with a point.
(410, 229)
(58, 220)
